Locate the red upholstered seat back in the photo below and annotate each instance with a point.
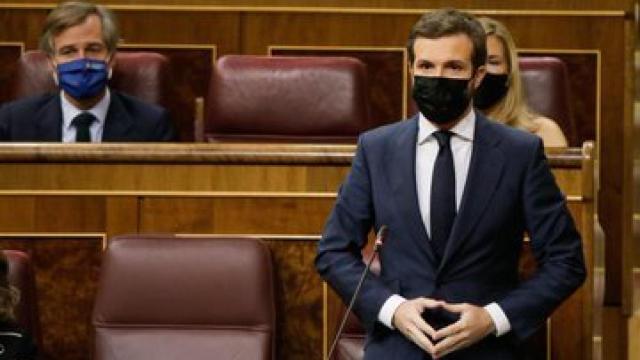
(351, 343)
(21, 275)
(140, 74)
(169, 298)
(287, 99)
(546, 86)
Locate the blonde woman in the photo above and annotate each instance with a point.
(500, 95)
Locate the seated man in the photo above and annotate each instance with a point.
(80, 40)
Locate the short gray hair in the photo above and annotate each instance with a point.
(73, 13)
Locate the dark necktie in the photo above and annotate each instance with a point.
(443, 194)
(82, 122)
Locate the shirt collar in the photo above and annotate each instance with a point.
(70, 111)
(464, 129)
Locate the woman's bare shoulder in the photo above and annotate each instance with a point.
(550, 132)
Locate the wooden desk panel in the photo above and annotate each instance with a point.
(235, 215)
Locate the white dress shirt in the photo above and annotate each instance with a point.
(70, 111)
(426, 152)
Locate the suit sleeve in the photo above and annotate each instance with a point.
(556, 245)
(164, 131)
(339, 259)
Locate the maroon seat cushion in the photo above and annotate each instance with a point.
(185, 298)
(140, 74)
(350, 347)
(546, 87)
(21, 275)
(287, 99)
(351, 343)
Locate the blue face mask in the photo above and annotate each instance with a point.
(83, 78)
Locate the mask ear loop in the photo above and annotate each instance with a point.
(473, 73)
(472, 83)
(54, 73)
(110, 72)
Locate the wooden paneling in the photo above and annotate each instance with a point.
(66, 270)
(235, 215)
(634, 333)
(571, 327)
(634, 323)
(192, 28)
(159, 178)
(121, 215)
(636, 263)
(299, 294)
(51, 213)
(262, 30)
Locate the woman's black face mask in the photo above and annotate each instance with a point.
(492, 89)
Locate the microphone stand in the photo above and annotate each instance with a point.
(376, 249)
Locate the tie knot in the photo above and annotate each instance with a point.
(443, 137)
(83, 120)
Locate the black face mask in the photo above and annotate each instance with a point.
(440, 99)
(492, 89)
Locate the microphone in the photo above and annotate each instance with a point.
(380, 238)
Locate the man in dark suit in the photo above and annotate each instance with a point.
(457, 193)
(80, 40)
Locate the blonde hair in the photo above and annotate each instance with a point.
(9, 295)
(512, 109)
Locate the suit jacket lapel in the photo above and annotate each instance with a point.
(118, 121)
(401, 174)
(485, 171)
(49, 126)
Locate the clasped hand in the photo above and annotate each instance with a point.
(473, 325)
